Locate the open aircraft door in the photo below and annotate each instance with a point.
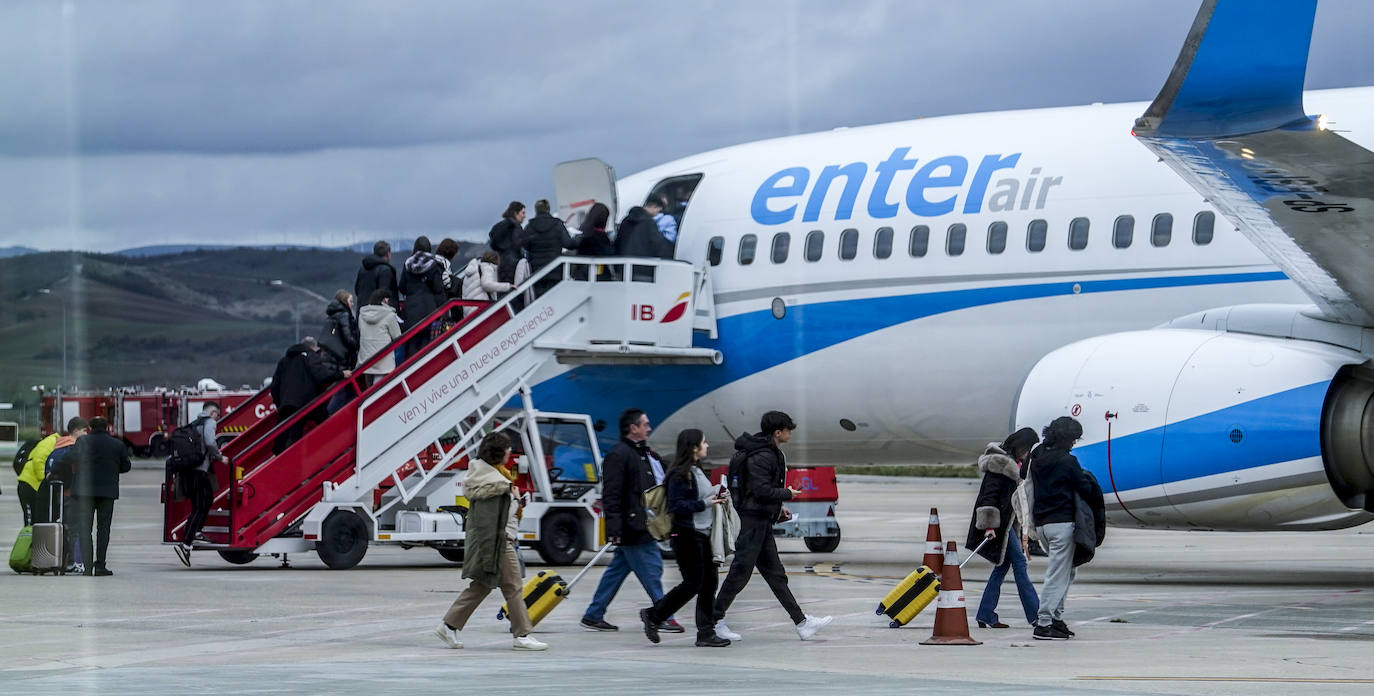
(580, 183)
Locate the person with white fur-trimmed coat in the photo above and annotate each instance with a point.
(999, 516)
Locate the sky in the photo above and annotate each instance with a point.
(128, 123)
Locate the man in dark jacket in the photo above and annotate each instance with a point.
(100, 459)
(376, 273)
(301, 375)
(638, 235)
(545, 239)
(422, 283)
(1056, 482)
(629, 469)
(758, 473)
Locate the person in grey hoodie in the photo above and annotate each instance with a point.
(378, 328)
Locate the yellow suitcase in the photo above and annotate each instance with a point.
(546, 590)
(910, 596)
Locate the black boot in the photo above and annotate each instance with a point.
(709, 639)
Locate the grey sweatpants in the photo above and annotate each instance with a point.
(1057, 540)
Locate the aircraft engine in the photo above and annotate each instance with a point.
(1190, 429)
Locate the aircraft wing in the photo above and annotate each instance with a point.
(1230, 121)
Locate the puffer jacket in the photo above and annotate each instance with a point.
(545, 239)
(480, 282)
(993, 506)
(422, 283)
(507, 239)
(764, 485)
(376, 274)
(35, 468)
(339, 337)
(379, 329)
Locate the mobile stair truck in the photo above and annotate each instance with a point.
(388, 467)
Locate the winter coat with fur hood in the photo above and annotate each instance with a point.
(993, 508)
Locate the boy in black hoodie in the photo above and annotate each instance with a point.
(762, 490)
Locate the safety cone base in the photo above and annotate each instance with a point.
(950, 640)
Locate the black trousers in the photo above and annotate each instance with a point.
(292, 434)
(755, 548)
(693, 551)
(27, 497)
(202, 496)
(100, 512)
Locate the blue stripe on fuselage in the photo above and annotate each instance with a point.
(1277, 428)
(755, 341)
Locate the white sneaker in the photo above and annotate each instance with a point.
(723, 631)
(528, 643)
(808, 628)
(449, 636)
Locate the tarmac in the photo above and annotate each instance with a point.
(1155, 613)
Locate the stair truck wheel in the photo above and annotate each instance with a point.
(238, 556)
(343, 540)
(823, 544)
(453, 555)
(159, 447)
(560, 541)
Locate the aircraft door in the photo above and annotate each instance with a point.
(580, 183)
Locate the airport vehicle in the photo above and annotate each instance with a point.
(912, 291)
(413, 428)
(142, 419)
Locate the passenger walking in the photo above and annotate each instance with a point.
(377, 273)
(1056, 480)
(481, 280)
(489, 558)
(447, 249)
(301, 375)
(638, 235)
(545, 239)
(594, 241)
(61, 469)
(690, 499)
(422, 285)
(506, 239)
(999, 516)
(629, 469)
(339, 339)
(32, 475)
(201, 483)
(758, 474)
(378, 327)
(99, 459)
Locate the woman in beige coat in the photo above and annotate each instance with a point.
(377, 328)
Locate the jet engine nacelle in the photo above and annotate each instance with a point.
(1215, 430)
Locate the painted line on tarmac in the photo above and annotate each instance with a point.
(1357, 627)
(1255, 680)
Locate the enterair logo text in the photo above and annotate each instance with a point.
(645, 312)
(932, 190)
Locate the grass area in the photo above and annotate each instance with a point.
(925, 470)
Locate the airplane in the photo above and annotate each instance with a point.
(911, 291)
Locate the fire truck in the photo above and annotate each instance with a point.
(142, 419)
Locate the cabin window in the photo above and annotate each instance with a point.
(849, 244)
(882, 243)
(747, 245)
(715, 249)
(1123, 230)
(920, 241)
(1078, 233)
(1203, 224)
(954, 241)
(1036, 234)
(1162, 229)
(781, 242)
(815, 244)
(997, 237)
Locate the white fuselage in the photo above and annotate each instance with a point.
(920, 358)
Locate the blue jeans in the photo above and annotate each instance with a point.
(647, 563)
(1016, 561)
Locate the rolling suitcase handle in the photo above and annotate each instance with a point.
(587, 567)
(975, 552)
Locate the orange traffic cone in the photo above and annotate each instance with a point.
(951, 617)
(935, 553)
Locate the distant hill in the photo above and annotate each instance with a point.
(167, 249)
(165, 319)
(7, 252)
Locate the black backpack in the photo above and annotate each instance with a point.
(187, 444)
(22, 456)
(736, 476)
